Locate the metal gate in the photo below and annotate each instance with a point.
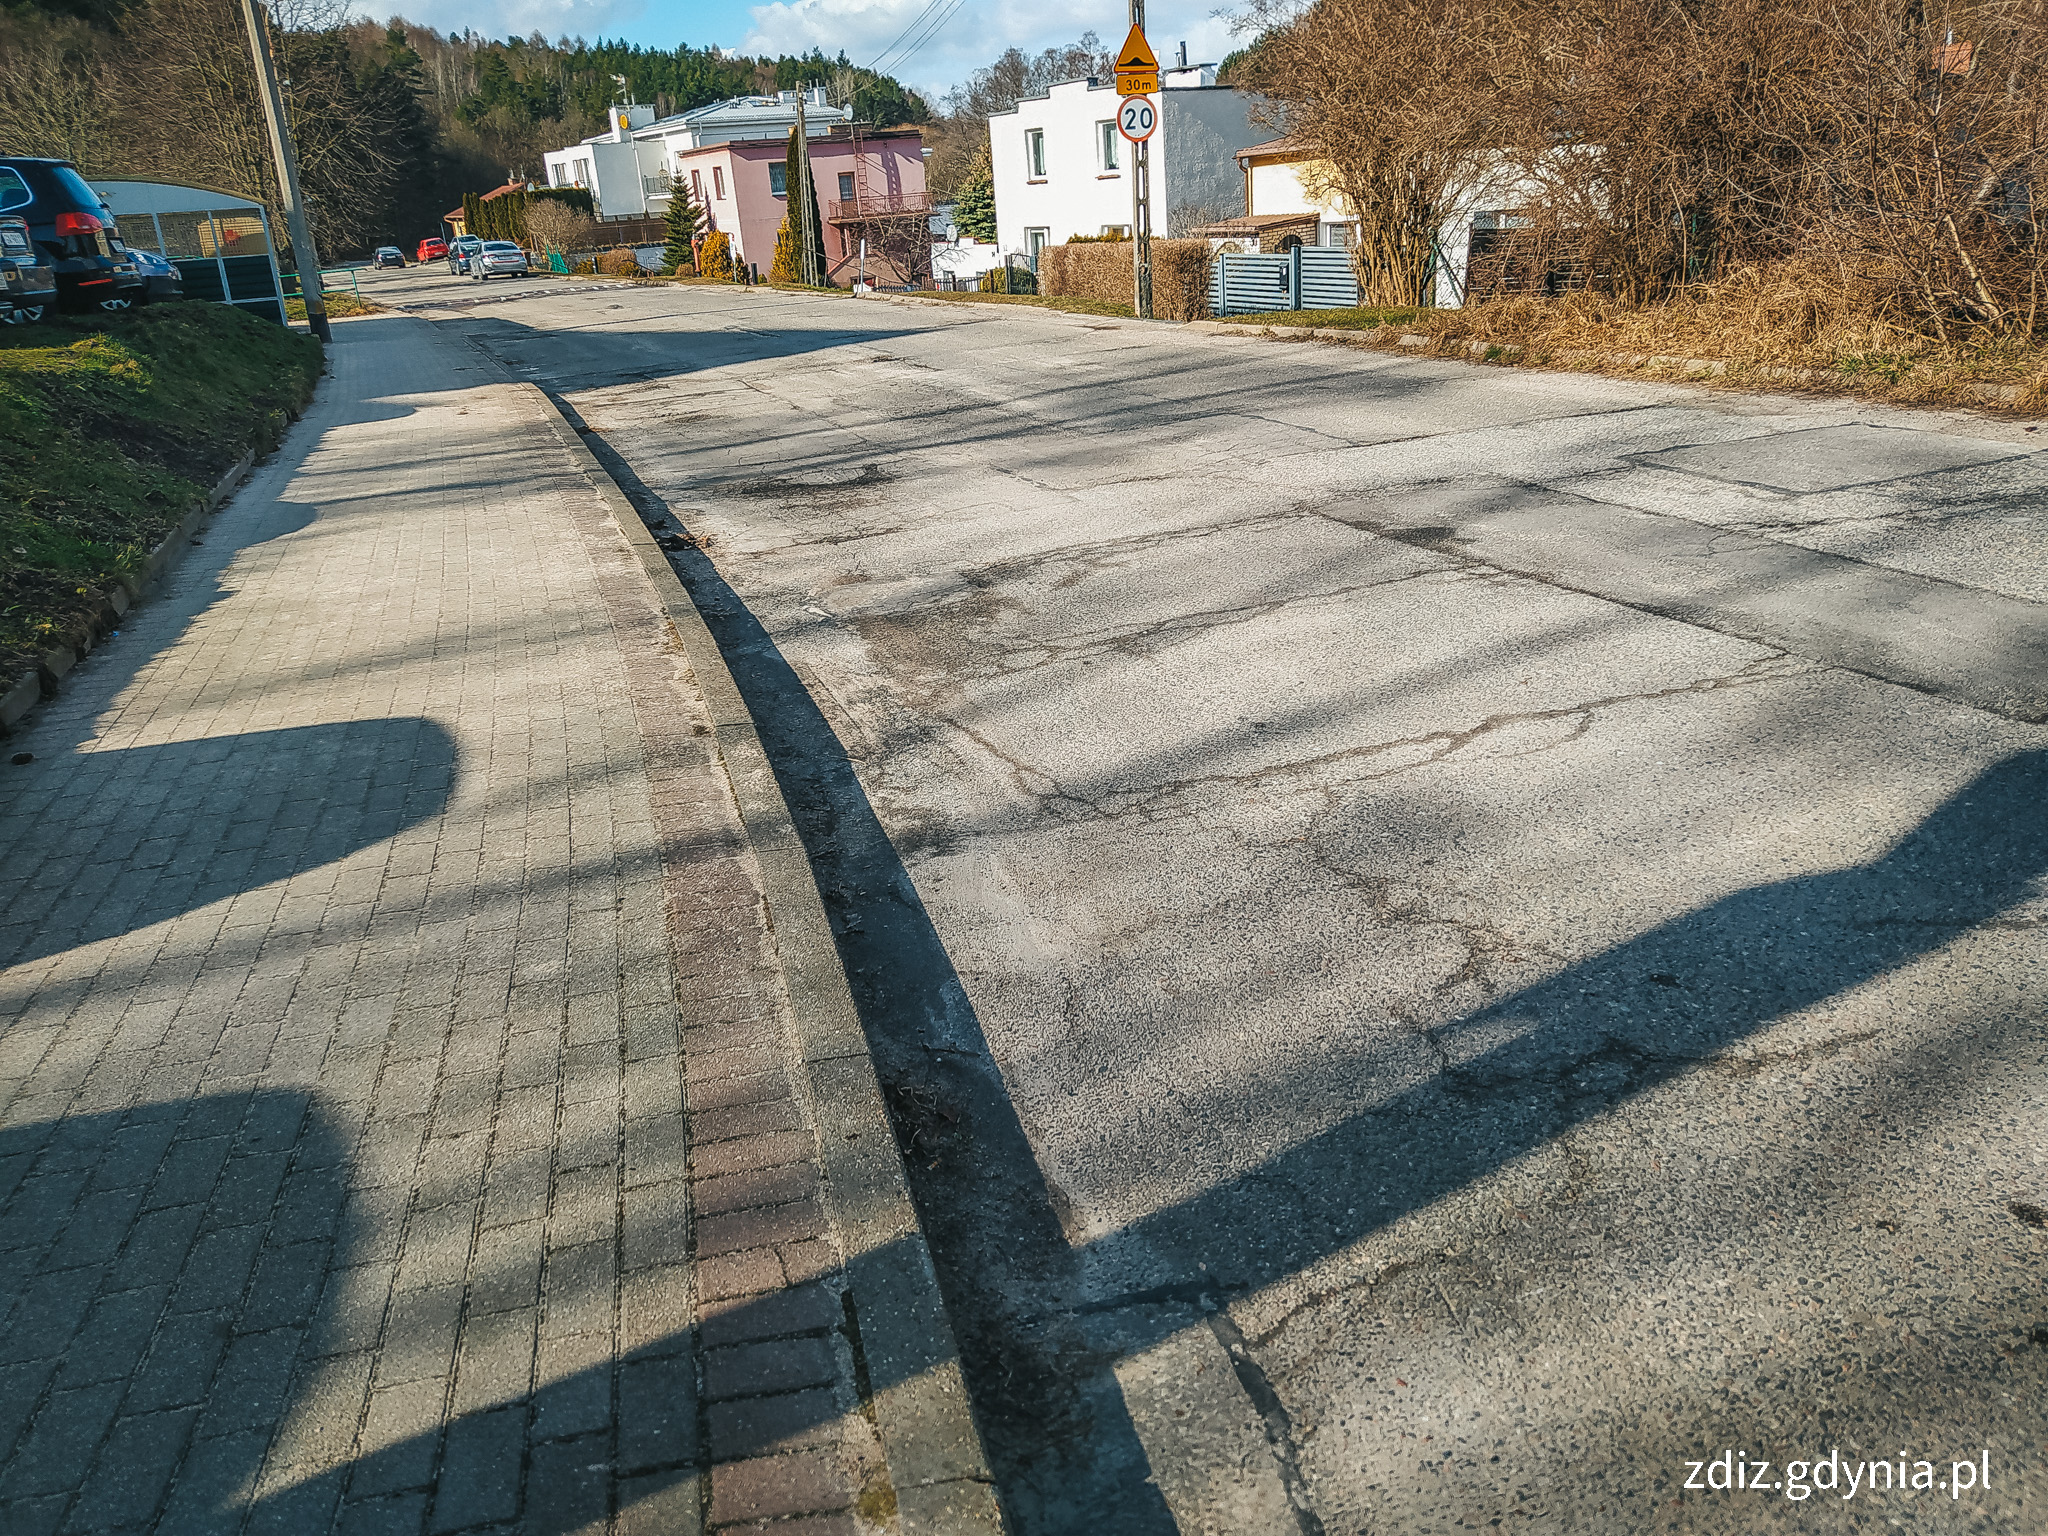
(1307, 277)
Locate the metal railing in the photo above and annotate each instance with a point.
(886, 205)
(330, 282)
(662, 185)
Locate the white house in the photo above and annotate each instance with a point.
(1061, 168)
(628, 168)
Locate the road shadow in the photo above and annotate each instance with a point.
(1066, 1452)
(205, 820)
(198, 1294)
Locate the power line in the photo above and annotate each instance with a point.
(923, 28)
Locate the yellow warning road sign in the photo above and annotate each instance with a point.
(1137, 66)
(1136, 55)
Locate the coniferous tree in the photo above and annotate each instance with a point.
(680, 228)
(798, 185)
(974, 214)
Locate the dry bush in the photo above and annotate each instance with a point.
(1887, 149)
(1914, 141)
(619, 263)
(552, 225)
(1102, 271)
(1403, 101)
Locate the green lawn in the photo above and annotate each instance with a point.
(110, 427)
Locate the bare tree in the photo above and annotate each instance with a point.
(55, 83)
(1401, 100)
(553, 225)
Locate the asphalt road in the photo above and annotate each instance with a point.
(1450, 943)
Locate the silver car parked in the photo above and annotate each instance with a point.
(498, 258)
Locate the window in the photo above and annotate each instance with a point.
(697, 187)
(1106, 135)
(1034, 152)
(718, 181)
(1121, 231)
(778, 177)
(846, 186)
(14, 192)
(1034, 242)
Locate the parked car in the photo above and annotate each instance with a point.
(28, 283)
(387, 256)
(74, 228)
(498, 258)
(162, 278)
(433, 248)
(459, 251)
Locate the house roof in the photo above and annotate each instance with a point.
(1250, 224)
(1277, 149)
(511, 186)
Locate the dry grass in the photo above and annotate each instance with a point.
(1785, 323)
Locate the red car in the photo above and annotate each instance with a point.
(433, 248)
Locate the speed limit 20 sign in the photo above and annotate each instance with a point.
(1136, 117)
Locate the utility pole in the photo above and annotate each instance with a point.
(304, 256)
(1141, 205)
(806, 196)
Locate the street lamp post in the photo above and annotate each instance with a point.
(304, 256)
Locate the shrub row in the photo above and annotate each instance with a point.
(1102, 271)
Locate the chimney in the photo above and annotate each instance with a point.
(1183, 55)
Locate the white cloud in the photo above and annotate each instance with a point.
(977, 32)
(521, 18)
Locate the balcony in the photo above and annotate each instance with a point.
(663, 185)
(879, 205)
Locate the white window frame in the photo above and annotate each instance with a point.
(1036, 240)
(1034, 154)
(778, 170)
(1107, 155)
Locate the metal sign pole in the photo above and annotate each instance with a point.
(304, 256)
(1141, 206)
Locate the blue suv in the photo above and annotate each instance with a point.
(75, 231)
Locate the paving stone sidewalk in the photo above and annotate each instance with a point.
(371, 911)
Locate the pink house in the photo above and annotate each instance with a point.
(870, 186)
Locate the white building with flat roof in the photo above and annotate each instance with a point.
(1061, 169)
(629, 168)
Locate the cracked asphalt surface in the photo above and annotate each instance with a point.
(1448, 942)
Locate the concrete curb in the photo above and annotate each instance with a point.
(936, 1462)
(40, 682)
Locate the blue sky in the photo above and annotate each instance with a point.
(977, 31)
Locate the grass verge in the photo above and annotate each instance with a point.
(110, 428)
(1071, 306)
(340, 306)
(1784, 326)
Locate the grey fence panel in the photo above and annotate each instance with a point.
(1327, 278)
(1246, 285)
(1312, 277)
